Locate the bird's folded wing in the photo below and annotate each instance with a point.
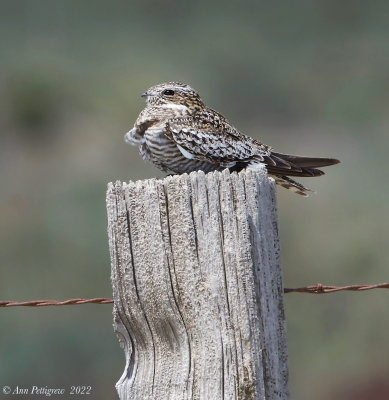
(215, 141)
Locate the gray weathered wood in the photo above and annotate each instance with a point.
(197, 284)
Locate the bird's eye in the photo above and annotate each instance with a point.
(168, 92)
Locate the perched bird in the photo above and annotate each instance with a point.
(179, 133)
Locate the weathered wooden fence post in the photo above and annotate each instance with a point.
(197, 284)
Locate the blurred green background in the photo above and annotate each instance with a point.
(307, 77)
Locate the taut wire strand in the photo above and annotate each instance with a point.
(312, 289)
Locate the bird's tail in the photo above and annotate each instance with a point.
(291, 165)
(281, 166)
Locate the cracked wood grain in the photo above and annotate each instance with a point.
(197, 284)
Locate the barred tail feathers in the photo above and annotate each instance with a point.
(290, 184)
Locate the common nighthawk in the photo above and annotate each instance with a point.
(179, 133)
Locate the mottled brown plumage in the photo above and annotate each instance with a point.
(179, 133)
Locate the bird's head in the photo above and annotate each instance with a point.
(173, 94)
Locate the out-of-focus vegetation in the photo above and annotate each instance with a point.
(308, 77)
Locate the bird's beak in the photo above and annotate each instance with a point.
(145, 94)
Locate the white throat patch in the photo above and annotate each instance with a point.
(174, 106)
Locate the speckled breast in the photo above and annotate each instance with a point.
(165, 154)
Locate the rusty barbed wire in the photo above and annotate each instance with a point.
(44, 303)
(322, 289)
(313, 289)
